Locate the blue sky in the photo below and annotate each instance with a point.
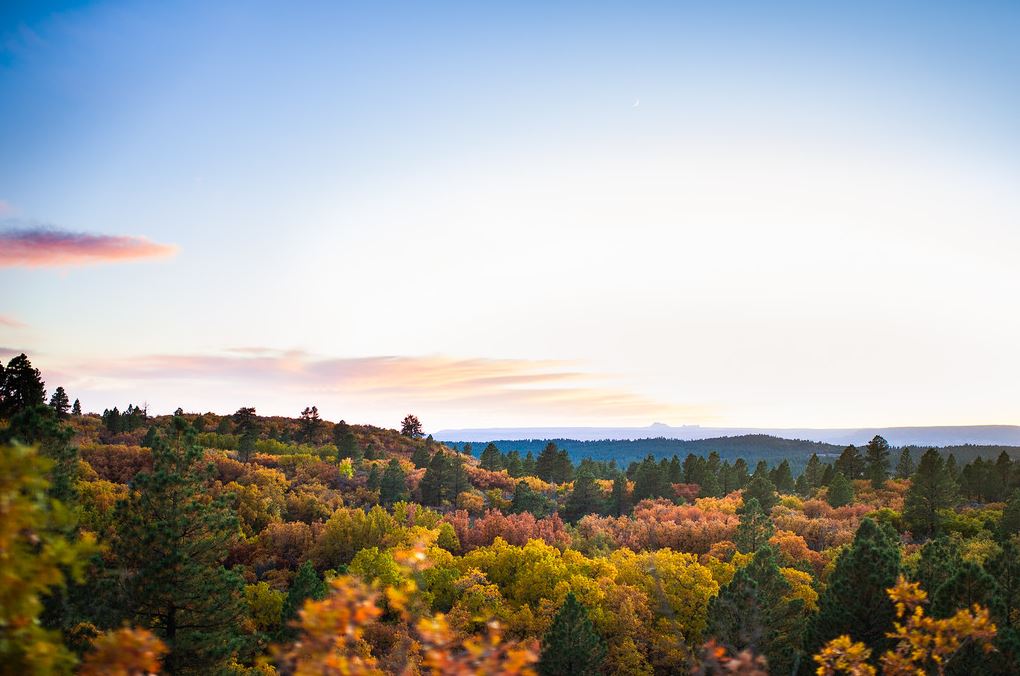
(529, 213)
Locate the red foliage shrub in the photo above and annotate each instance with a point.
(516, 529)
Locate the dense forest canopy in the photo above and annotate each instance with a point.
(196, 543)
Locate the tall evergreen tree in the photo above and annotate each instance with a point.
(619, 500)
(21, 387)
(940, 558)
(246, 423)
(1010, 523)
(850, 463)
(813, 471)
(433, 484)
(306, 585)
(76, 408)
(755, 527)
(1002, 478)
(571, 646)
(374, 479)
(855, 601)
(968, 585)
(762, 490)
(411, 427)
(932, 488)
(60, 403)
(753, 612)
(393, 486)
(877, 461)
(344, 440)
(172, 539)
(421, 457)
(1004, 568)
(308, 431)
(491, 459)
(527, 499)
(905, 466)
(38, 425)
(782, 477)
(841, 491)
(585, 498)
(149, 440)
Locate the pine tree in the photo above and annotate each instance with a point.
(547, 466)
(393, 486)
(905, 466)
(1010, 523)
(421, 457)
(38, 426)
(782, 477)
(619, 500)
(433, 484)
(344, 440)
(411, 427)
(21, 387)
(60, 403)
(762, 490)
(1004, 568)
(752, 612)
(374, 479)
(740, 472)
(171, 542)
(571, 646)
(932, 488)
(755, 527)
(850, 463)
(940, 558)
(246, 423)
(491, 459)
(310, 424)
(855, 601)
(1002, 477)
(841, 491)
(585, 498)
(306, 585)
(813, 471)
(76, 408)
(968, 585)
(527, 500)
(877, 461)
(150, 437)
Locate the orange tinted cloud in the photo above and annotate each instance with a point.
(36, 247)
(465, 389)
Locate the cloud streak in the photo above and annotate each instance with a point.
(11, 322)
(456, 390)
(37, 247)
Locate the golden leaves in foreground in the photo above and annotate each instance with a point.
(924, 644)
(124, 652)
(332, 631)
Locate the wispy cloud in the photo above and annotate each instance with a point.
(39, 246)
(450, 388)
(11, 322)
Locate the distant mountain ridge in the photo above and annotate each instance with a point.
(948, 435)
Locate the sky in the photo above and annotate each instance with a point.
(497, 214)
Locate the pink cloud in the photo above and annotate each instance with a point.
(11, 322)
(36, 247)
(479, 388)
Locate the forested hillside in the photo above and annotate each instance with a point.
(198, 543)
(751, 447)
